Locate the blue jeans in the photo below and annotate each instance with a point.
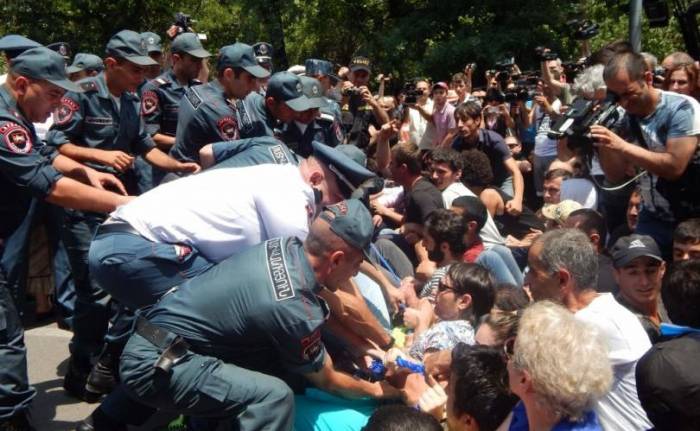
(374, 298)
(501, 264)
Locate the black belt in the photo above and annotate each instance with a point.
(116, 227)
(174, 347)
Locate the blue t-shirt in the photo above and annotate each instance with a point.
(588, 423)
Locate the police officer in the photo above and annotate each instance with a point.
(85, 65)
(13, 45)
(300, 133)
(154, 47)
(102, 127)
(206, 112)
(263, 54)
(362, 107)
(34, 86)
(323, 71)
(246, 152)
(213, 347)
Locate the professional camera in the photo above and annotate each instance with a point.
(573, 68)
(545, 54)
(584, 29)
(505, 65)
(183, 22)
(575, 124)
(351, 92)
(411, 93)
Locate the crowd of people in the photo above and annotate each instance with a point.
(245, 248)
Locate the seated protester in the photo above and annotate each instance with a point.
(551, 188)
(593, 225)
(558, 389)
(686, 240)
(639, 270)
(477, 175)
(397, 417)
(506, 174)
(501, 323)
(497, 259)
(478, 397)
(446, 170)
(668, 382)
(634, 204)
(555, 215)
(463, 295)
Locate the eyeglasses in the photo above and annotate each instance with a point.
(442, 287)
(509, 348)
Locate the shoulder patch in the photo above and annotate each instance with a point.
(192, 97)
(88, 86)
(149, 102)
(228, 128)
(277, 269)
(65, 112)
(278, 154)
(16, 138)
(311, 345)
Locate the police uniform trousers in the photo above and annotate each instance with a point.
(205, 387)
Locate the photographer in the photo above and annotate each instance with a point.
(543, 114)
(420, 130)
(662, 140)
(362, 106)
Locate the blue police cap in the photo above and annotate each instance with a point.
(189, 43)
(14, 44)
(240, 55)
(318, 67)
(153, 42)
(312, 90)
(354, 153)
(287, 87)
(45, 64)
(349, 174)
(352, 222)
(85, 61)
(130, 46)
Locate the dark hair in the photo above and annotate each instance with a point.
(407, 153)
(236, 71)
(475, 280)
(468, 110)
(459, 76)
(477, 168)
(401, 418)
(681, 293)
(480, 380)
(557, 173)
(590, 220)
(449, 156)
(630, 62)
(474, 210)
(503, 319)
(687, 232)
(604, 54)
(445, 226)
(510, 298)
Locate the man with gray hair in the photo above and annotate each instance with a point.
(564, 268)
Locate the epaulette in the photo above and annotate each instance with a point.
(195, 82)
(88, 86)
(161, 81)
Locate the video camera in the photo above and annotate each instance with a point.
(184, 22)
(575, 124)
(524, 90)
(584, 29)
(545, 54)
(411, 93)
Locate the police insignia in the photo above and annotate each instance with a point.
(64, 113)
(299, 88)
(311, 345)
(88, 86)
(338, 132)
(149, 102)
(228, 128)
(277, 270)
(16, 138)
(193, 98)
(277, 153)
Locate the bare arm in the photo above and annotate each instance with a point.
(206, 156)
(549, 79)
(161, 160)
(69, 193)
(515, 205)
(164, 142)
(118, 160)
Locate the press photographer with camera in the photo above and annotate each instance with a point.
(362, 106)
(661, 138)
(545, 110)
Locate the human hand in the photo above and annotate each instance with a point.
(607, 139)
(438, 363)
(411, 318)
(413, 387)
(118, 160)
(514, 207)
(189, 167)
(434, 399)
(102, 180)
(388, 130)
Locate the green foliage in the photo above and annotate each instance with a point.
(407, 38)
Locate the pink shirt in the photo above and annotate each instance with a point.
(444, 120)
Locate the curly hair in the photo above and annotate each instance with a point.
(477, 168)
(566, 358)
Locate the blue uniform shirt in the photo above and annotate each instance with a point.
(205, 116)
(24, 172)
(252, 151)
(253, 117)
(160, 103)
(300, 142)
(257, 309)
(92, 119)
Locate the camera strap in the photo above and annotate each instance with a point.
(637, 130)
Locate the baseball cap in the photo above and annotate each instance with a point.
(312, 90)
(43, 63)
(318, 67)
(352, 222)
(129, 45)
(350, 174)
(189, 44)
(287, 87)
(152, 42)
(356, 154)
(630, 247)
(360, 63)
(442, 85)
(561, 211)
(85, 61)
(240, 55)
(14, 44)
(62, 48)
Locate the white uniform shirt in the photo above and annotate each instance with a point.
(489, 234)
(224, 211)
(627, 341)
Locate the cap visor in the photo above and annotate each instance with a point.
(74, 69)
(141, 60)
(257, 71)
(66, 84)
(632, 256)
(356, 68)
(300, 104)
(317, 102)
(199, 53)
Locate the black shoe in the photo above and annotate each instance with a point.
(99, 421)
(18, 422)
(104, 375)
(75, 380)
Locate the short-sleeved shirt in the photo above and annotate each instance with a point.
(443, 335)
(205, 116)
(96, 119)
(423, 199)
(223, 211)
(258, 309)
(675, 116)
(650, 327)
(160, 103)
(252, 151)
(444, 120)
(254, 119)
(24, 172)
(489, 234)
(544, 145)
(495, 148)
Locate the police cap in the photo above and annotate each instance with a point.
(14, 44)
(85, 61)
(129, 45)
(352, 222)
(350, 175)
(287, 87)
(153, 42)
(189, 43)
(242, 56)
(317, 67)
(263, 53)
(45, 64)
(312, 90)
